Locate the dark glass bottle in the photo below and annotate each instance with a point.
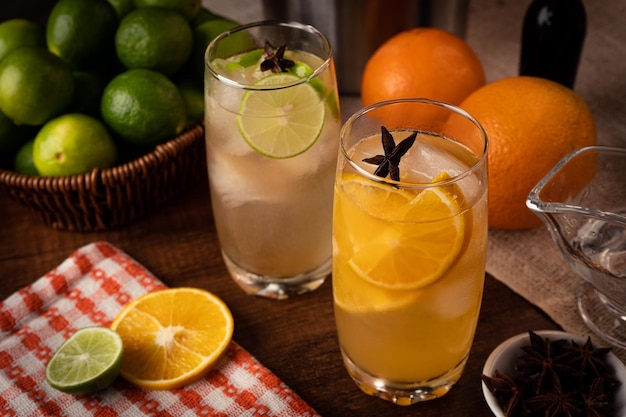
(552, 40)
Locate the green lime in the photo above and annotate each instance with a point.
(87, 362)
(246, 60)
(251, 58)
(82, 32)
(187, 8)
(301, 70)
(143, 107)
(122, 7)
(87, 93)
(73, 144)
(16, 33)
(283, 122)
(24, 163)
(12, 136)
(203, 34)
(154, 38)
(194, 100)
(204, 15)
(35, 85)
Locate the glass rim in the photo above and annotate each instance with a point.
(268, 23)
(481, 159)
(536, 204)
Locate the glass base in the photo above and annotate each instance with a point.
(601, 317)
(403, 393)
(277, 288)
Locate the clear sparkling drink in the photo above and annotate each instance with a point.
(271, 154)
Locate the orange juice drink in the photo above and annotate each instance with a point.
(409, 247)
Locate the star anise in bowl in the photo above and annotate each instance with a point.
(550, 374)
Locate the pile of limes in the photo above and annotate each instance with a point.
(103, 82)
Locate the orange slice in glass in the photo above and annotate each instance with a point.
(423, 234)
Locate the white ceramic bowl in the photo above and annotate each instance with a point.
(504, 357)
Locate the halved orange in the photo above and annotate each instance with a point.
(172, 337)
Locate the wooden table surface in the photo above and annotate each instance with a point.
(296, 338)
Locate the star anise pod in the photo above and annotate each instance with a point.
(557, 404)
(596, 401)
(543, 358)
(559, 378)
(587, 358)
(389, 163)
(508, 391)
(274, 59)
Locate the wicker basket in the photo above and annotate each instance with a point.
(108, 198)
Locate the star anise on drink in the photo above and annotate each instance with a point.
(389, 163)
(274, 59)
(508, 391)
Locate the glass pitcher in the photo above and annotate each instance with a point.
(582, 202)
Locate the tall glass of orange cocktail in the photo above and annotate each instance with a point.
(409, 246)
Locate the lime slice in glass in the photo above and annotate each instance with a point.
(246, 60)
(302, 70)
(282, 122)
(87, 362)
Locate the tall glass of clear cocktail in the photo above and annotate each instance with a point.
(272, 128)
(409, 246)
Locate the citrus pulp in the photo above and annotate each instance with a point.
(423, 228)
(283, 122)
(87, 362)
(172, 337)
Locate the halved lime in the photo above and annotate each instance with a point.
(87, 362)
(282, 122)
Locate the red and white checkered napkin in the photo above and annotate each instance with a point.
(90, 288)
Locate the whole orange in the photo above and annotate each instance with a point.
(531, 123)
(422, 62)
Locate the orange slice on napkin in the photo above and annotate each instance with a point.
(172, 337)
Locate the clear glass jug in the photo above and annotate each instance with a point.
(582, 202)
